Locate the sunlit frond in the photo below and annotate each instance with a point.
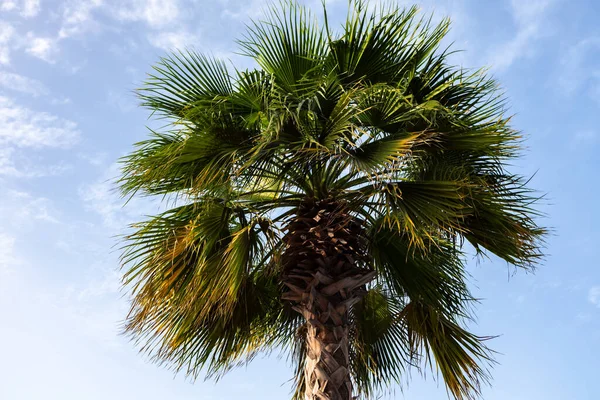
(182, 79)
(289, 45)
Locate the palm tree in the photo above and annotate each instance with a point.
(320, 203)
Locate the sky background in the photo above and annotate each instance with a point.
(67, 113)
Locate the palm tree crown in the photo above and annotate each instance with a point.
(323, 201)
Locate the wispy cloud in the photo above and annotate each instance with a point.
(23, 127)
(15, 164)
(30, 8)
(77, 17)
(594, 296)
(25, 8)
(579, 68)
(44, 48)
(108, 284)
(240, 9)
(7, 33)
(583, 317)
(163, 18)
(528, 17)
(7, 163)
(21, 208)
(155, 13)
(124, 102)
(7, 255)
(584, 138)
(103, 198)
(23, 84)
(96, 159)
(60, 101)
(91, 310)
(173, 40)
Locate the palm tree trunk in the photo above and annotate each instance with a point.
(324, 273)
(326, 371)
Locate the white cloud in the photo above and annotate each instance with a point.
(60, 101)
(21, 210)
(583, 317)
(77, 17)
(109, 284)
(122, 101)
(584, 138)
(161, 16)
(26, 8)
(579, 68)
(7, 164)
(242, 10)
(526, 13)
(103, 198)
(8, 5)
(22, 207)
(43, 48)
(529, 17)
(155, 13)
(7, 254)
(173, 40)
(96, 159)
(22, 127)
(20, 83)
(92, 310)
(594, 296)
(17, 165)
(30, 8)
(6, 35)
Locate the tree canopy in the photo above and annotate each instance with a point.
(372, 118)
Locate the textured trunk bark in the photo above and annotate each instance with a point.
(323, 270)
(326, 372)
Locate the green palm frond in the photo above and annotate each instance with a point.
(289, 45)
(385, 45)
(433, 275)
(459, 355)
(381, 352)
(203, 292)
(182, 79)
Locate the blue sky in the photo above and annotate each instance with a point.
(67, 72)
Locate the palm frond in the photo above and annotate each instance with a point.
(380, 349)
(289, 45)
(433, 274)
(182, 79)
(459, 355)
(384, 45)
